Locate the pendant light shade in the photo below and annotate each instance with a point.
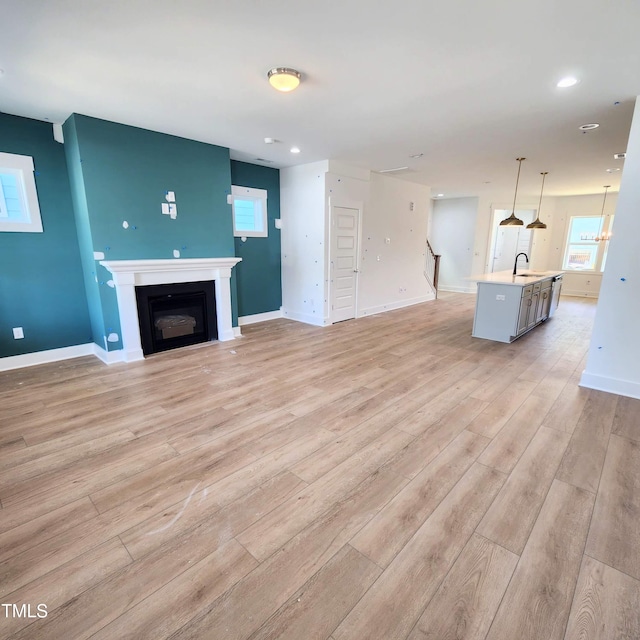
(512, 221)
(537, 223)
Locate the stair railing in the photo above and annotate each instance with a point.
(432, 267)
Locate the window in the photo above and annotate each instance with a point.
(586, 249)
(249, 212)
(19, 210)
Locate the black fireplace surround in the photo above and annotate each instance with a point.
(176, 315)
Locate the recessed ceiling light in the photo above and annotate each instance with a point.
(417, 155)
(295, 150)
(440, 195)
(270, 140)
(588, 127)
(569, 81)
(611, 170)
(284, 79)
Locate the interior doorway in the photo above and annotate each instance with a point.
(509, 241)
(345, 241)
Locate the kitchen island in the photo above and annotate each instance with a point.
(508, 306)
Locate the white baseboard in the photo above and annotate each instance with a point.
(260, 317)
(237, 333)
(227, 334)
(457, 289)
(108, 357)
(396, 305)
(578, 294)
(610, 385)
(306, 318)
(50, 355)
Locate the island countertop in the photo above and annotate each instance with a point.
(522, 279)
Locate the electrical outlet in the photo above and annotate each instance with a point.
(500, 296)
(18, 333)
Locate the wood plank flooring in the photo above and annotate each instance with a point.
(388, 477)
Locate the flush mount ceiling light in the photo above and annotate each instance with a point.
(569, 81)
(512, 221)
(284, 79)
(537, 223)
(588, 127)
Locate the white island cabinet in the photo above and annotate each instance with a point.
(508, 306)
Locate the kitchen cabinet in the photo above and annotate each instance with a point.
(544, 302)
(525, 311)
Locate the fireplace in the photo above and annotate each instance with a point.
(176, 315)
(129, 275)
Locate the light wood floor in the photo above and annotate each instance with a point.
(388, 477)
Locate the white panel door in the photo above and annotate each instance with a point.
(344, 262)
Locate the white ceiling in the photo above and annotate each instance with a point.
(470, 84)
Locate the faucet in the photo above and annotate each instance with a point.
(515, 264)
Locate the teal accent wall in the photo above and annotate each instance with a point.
(121, 173)
(259, 274)
(41, 287)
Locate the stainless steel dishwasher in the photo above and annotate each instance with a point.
(556, 287)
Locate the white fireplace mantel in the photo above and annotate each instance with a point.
(129, 274)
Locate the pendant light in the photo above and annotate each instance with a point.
(512, 220)
(537, 223)
(601, 235)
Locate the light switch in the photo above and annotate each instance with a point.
(18, 333)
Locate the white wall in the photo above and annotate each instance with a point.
(453, 231)
(614, 355)
(482, 238)
(302, 211)
(543, 239)
(392, 273)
